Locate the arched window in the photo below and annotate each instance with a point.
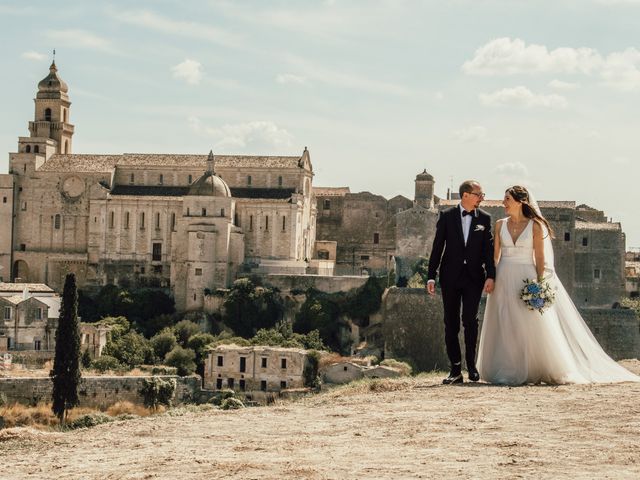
(36, 149)
(28, 149)
(56, 221)
(47, 115)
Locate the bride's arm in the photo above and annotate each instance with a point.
(538, 249)
(496, 242)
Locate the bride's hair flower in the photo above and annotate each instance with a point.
(537, 295)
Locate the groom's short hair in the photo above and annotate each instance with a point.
(467, 186)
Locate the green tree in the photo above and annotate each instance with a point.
(182, 359)
(163, 342)
(321, 312)
(199, 343)
(66, 364)
(184, 330)
(249, 308)
(130, 349)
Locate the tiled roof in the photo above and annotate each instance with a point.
(172, 191)
(19, 287)
(331, 191)
(105, 163)
(255, 348)
(602, 226)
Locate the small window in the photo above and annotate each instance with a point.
(263, 363)
(249, 180)
(126, 219)
(132, 178)
(220, 361)
(160, 179)
(173, 221)
(243, 364)
(23, 247)
(283, 363)
(142, 221)
(585, 241)
(204, 212)
(27, 149)
(4, 199)
(326, 205)
(218, 384)
(36, 149)
(263, 385)
(157, 220)
(112, 216)
(157, 268)
(65, 118)
(56, 221)
(323, 254)
(283, 384)
(230, 382)
(243, 385)
(38, 314)
(24, 206)
(222, 212)
(47, 115)
(266, 222)
(236, 220)
(596, 274)
(198, 272)
(280, 181)
(250, 222)
(190, 179)
(567, 236)
(143, 270)
(7, 313)
(364, 257)
(157, 252)
(37, 344)
(376, 238)
(284, 223)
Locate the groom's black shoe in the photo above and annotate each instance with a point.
(454, 377)
(474, 376)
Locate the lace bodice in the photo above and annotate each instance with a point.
(522, 250)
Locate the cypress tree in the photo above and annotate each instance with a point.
(66, 364)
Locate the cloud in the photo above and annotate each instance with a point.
(475, 133)
(250, 136)
(190, 71)
(560, 85)
(506, 56)
(521, 97)
(75, 38)
(289, 78)
(153, 21)
(621, 70)
(31, 55)
(513, 173)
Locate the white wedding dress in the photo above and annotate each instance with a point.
(519, 346)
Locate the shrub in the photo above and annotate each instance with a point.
(85, 359)
(184, 330)
(130, 349)
(156, 391)
(3, 399)
(249, 308)
(89, 420)
(231, 403)
(310, 371)
(182, 359)
(163, 342)
(105, 363)
(199, 343)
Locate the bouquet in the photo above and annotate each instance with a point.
(537, 295)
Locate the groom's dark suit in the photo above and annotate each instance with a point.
(463, 269)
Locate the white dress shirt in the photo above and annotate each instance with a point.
(466, 224)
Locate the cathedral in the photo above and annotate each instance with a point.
(190, 223)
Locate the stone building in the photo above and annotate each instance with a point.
(632, 274)
(254, 368)
(185, 222)
(26, 324)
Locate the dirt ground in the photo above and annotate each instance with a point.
(411, 428)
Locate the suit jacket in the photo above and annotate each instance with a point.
(453, 258)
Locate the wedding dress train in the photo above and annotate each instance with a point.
(519, 346)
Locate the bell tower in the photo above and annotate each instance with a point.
(52, 110)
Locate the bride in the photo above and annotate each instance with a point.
(518, 345)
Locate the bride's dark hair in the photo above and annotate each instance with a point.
(521, 195)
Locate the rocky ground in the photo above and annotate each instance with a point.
(410, 428)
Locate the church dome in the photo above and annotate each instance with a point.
(424, 176)
(210, 185)
(52, 83)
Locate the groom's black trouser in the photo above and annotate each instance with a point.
(465, 294)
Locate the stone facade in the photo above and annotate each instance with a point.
(135, 218)
(632, 274)
(254, 368)
(25, 324)
(97, 392)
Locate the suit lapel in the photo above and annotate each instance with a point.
(458, 221)
(474, 222)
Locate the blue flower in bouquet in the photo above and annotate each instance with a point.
(537, 295)
(533, 288)
(538, 303)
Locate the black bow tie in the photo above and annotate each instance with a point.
(465, 213)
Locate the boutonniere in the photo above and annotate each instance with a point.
(479, 228)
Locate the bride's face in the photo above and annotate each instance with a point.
(511, 205)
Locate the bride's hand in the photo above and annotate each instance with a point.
(488, 285)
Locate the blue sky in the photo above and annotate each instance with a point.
(545, 93)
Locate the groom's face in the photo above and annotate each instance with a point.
(473, 199)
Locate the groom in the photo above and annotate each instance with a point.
(467, 269)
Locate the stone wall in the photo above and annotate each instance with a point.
(617, 330)
(99, 392)
(287, 283)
